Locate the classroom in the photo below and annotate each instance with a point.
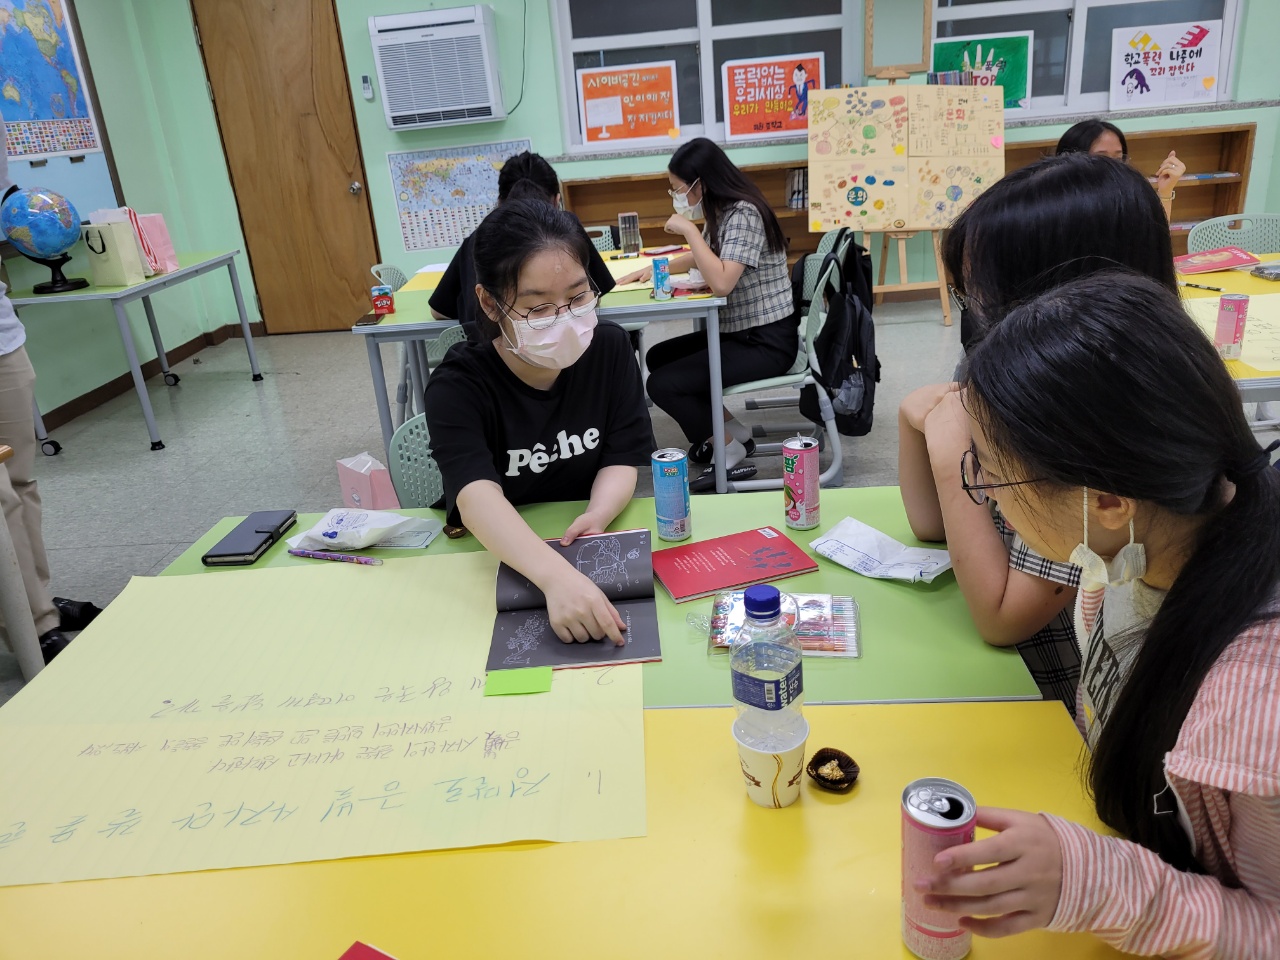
(439, 439)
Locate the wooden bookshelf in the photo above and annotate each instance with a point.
(1224, 149)
(598, 202)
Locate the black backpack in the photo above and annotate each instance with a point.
(846, 349)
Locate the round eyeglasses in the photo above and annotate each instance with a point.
(685, 192)
(546, 314)
(971, 479)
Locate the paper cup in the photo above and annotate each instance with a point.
(772, 779)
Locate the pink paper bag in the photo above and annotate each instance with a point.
(157, 234)
(366, 483)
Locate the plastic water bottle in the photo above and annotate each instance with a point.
(768, 676)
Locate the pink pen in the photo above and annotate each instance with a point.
(344, 557)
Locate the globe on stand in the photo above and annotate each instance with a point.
(43, 226)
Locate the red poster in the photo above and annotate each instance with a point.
(766, 98)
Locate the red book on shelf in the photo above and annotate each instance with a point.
(695, 570)
(1223, 258)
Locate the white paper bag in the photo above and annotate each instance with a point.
(147, 255)
(113, 254)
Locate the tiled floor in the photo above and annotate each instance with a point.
(114, 509)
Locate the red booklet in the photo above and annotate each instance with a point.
(1224, 258)
(695, 570)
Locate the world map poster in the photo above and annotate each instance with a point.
(442, 195)
(42, 93)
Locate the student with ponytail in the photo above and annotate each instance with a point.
(1175, 523)
(525, 176)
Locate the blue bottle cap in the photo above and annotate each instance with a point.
(763, 601)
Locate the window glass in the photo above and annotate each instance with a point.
(598, 18)
(752, 11)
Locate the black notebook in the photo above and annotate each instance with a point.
(621, 565)
(250, 539)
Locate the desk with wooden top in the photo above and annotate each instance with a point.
(918, 640)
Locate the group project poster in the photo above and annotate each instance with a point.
(1165, 64)
(631, 105)
(996, 60)
(769, 97)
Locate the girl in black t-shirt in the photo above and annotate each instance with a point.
(526, 176)
(548, 406)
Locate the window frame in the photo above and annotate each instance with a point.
(1073, 101)
(703, 36)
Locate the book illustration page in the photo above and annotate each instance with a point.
(620, 564)
(941, 188)
(524, 638)
(956, 121)
(860, 194)
(857, 122)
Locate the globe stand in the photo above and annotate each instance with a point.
(57, 283)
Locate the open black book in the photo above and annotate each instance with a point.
(621, 565)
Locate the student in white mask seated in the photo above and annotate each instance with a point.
(547, 407)
(1072, 401)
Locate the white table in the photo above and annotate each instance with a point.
(190, 265)
(412, 322)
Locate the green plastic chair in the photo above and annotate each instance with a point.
(389, 274)
(1257, 233)
(414, 472)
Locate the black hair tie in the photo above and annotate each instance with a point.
(1254, 466)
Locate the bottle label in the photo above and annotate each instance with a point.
(769, 694)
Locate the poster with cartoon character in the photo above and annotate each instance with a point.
(769, 97)
(1168, 63)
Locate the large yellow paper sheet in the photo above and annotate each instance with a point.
(296, 714)
(1261, 347)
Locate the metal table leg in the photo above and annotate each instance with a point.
(717, 398)
(170, 378)
(244, 319)
(51, 448)
(139, 384)
(380, 391)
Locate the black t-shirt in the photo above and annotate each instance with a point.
(455, 296)
(541, 446)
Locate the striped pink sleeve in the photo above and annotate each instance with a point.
(1133, 900)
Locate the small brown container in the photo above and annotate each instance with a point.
(839, 778)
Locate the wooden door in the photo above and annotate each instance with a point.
(280, 92)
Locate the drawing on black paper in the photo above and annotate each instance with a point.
(524, 642)
(601, 560)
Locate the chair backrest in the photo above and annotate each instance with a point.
(813, 265)
(437, 348)
(389, 274)
(414, 472)
(602, 238)
(1257, 233)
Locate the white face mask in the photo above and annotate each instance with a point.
(1129, 563)
(555, 347)
(680, 202)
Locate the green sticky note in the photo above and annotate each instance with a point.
(502, 683)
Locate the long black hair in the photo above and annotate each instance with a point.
(1081, 137)
(526, 176)
(513, 232)
(1083, 386)
(1050, 221)
(723, 185)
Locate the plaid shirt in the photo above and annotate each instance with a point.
(763, 293)
(1052, 654)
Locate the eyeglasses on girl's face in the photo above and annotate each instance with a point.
(683, 191)
(971, 478)
(546, 314)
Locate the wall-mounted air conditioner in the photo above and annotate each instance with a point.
(437, 68)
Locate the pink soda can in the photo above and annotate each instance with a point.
(937, 814)
(1228, 335)
(800, 476)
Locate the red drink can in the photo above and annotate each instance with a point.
(800, 476)
(937, 814)
(1228, 335)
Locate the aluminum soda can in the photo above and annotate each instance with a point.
(800, 476)
(1228, 335)
(661, 278)
(671, 493)
(937, 814)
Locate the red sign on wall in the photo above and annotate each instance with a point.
(766, 98)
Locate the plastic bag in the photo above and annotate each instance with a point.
(348, 529)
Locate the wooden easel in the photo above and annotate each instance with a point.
(893, 75)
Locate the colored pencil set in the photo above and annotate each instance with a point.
(826, 626)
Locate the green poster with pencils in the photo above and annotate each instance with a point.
(995, 59)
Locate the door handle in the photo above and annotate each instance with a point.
(355, 187)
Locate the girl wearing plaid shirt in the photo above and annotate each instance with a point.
(1059, 218)
(741, 252)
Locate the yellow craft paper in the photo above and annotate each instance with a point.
(1261, 347)
(298, 714)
